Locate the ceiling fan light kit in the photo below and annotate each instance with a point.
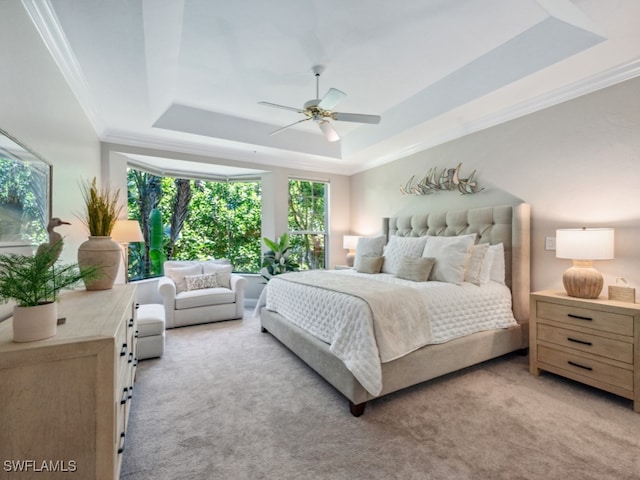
(321, 111)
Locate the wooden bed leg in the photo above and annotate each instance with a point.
(357, 410)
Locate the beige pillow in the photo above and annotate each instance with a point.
(416, 269)
(222, 272)
(369, 247)
(177, 274)
(198, 282)
(370, 264)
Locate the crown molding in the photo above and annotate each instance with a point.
(47, 24)
(583, 87)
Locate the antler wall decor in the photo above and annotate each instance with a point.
(449, 179)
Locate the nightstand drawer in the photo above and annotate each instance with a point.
(586, 317)
(587, 367)
(594, 344)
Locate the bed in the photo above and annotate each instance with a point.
(343, 326)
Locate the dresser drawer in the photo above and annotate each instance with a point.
(585, 317)
(587, 367)
(594, 344)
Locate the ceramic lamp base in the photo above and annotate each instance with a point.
(582, 280)
(350, 258)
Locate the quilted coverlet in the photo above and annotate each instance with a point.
(370, 321)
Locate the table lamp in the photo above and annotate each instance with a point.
(125, 232)
(350, 242)
(583, 246)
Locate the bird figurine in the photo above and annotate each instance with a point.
(55, 239)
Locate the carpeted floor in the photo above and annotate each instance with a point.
(229, 402)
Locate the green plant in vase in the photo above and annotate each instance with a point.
(101, 212)
(34, 282)
(277, 259)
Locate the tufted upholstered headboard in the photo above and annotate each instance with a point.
(506, 224)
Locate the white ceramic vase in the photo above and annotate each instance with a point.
(35, 323)
(102, 252)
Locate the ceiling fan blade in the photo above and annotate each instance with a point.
(290, 125)
(329, 132)
(356, 117)
(283, 107)
(331, 99)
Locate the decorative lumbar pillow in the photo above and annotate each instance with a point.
(416, 269)
(451, 254)
(222, 272)
(474, 265)
(198, 282)
(368, 247)
(400, 247)
(178, 274)
(370, 264)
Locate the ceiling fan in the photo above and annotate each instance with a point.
(320, 110)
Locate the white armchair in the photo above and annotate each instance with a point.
(200, 292)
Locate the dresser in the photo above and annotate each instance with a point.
(596, 342)
(64, 401)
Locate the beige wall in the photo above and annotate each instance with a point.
(577, 164)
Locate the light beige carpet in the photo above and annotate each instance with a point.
(229, 402)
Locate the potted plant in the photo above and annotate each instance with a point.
(34, 283)
(100, 215)
(277, 259)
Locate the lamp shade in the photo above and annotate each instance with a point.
(585, 243)
(350, 242)
(127, 231)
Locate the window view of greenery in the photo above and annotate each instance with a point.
(23, 207)
(185, 219)
(308, 223)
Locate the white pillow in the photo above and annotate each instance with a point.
(400, 247)
(177, 274)
(497, 267)
(485, 270)
(451, 254)
(368, 247)
(476, 261)
(222, 271)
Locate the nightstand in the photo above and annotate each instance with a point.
(596, 342)
(343, 267)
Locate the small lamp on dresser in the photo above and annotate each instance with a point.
(350, 242)
(583, 246)
(126, 232)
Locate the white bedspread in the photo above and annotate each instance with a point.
(424, 313)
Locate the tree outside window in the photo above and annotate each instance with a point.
(308, 223)
(184, 219)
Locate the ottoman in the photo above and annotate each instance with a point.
(150, 331)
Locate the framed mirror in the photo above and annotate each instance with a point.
(25, 197)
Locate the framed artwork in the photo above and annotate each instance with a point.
(25, 196)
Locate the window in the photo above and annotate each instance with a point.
(308, 223)
(185, 219)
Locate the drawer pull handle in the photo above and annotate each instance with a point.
(130, 357)
(579, 341)
(130, 322)
(125, 396)
(579, 317)
(130, 392)
(121, 447)
(579, 366)
(123, 352)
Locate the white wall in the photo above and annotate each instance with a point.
(577, 164)
(40, 111)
